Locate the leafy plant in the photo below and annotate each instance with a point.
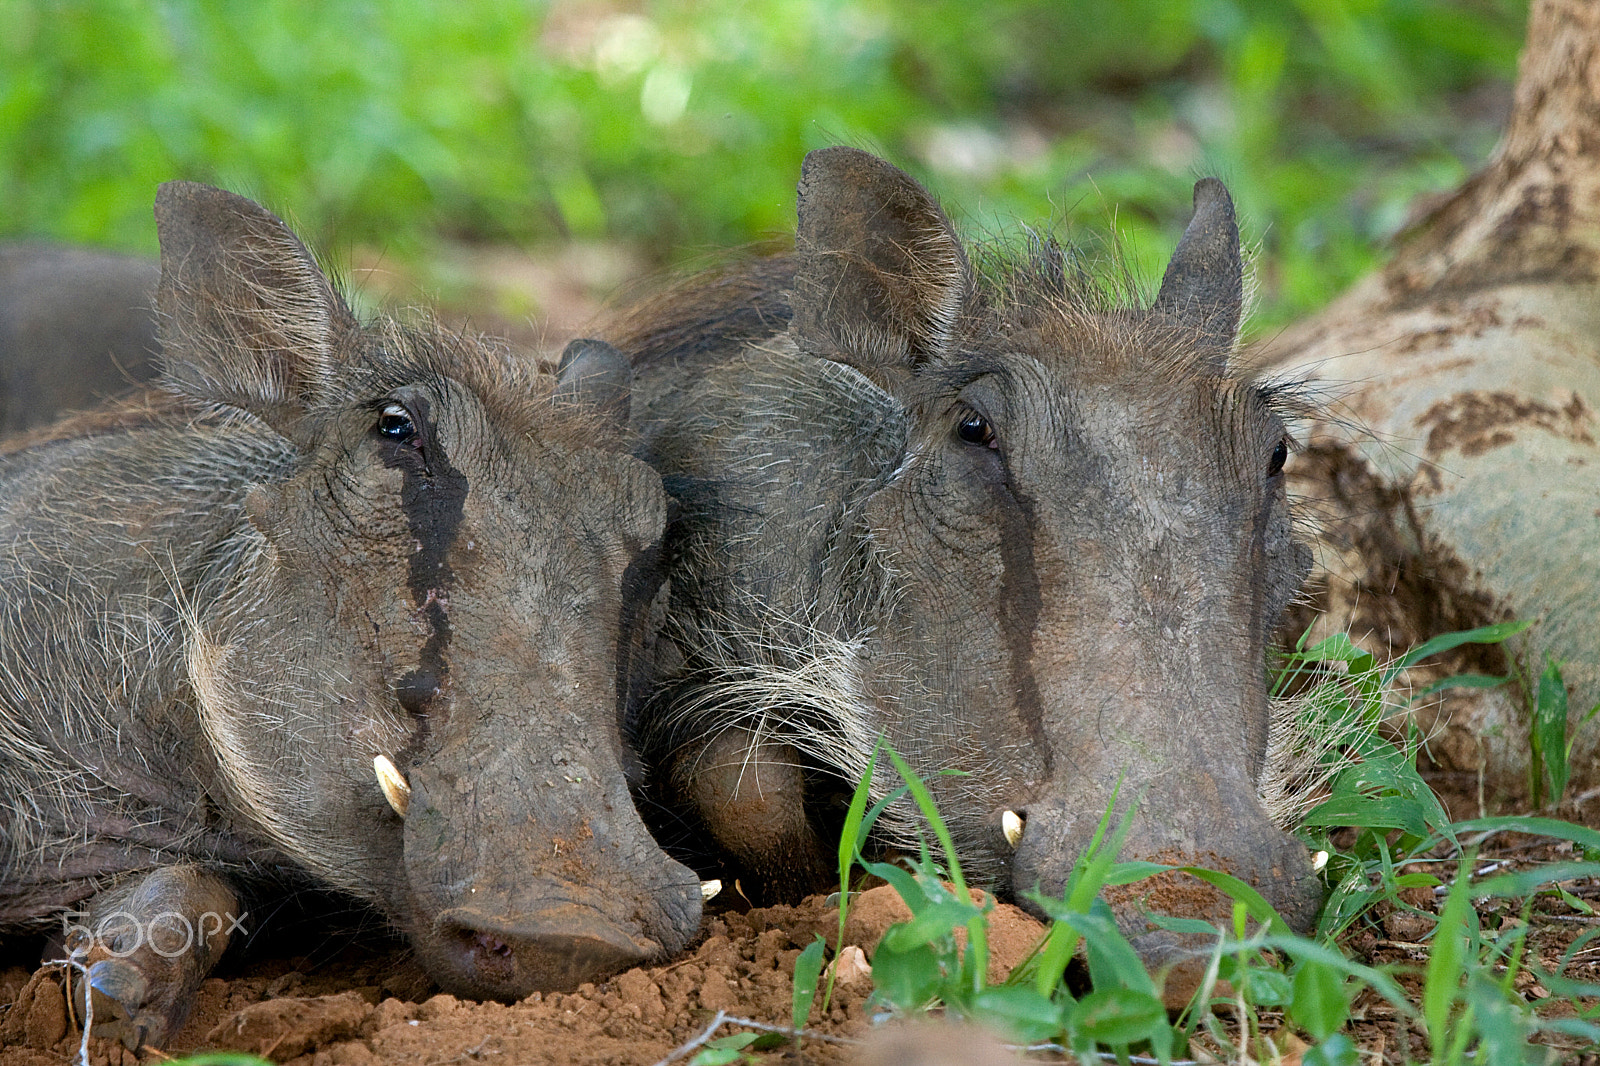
(1262, 981)
(1551, 747)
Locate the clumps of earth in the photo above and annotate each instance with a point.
(347, 1004)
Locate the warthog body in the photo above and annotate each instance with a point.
(988, 511)
(77, 325)
(354, 608)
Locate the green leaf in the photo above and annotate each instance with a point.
(1340, 649)
(1447, 962)
(807, 968)
(1235, 889)
(1022, 1014)
(1083, 885)
(851, 838)
(1269, 988)
(1522, 883)
(1370, 812)
(1583, 836)
(907, 979)
(1492, 634)
(931, 924)
(1126, 873)
(724, 1049)
(1117, 1016)
(903, 882)
(1302, 949)
(1321, 1003)
(1549, 736)
(1460, 681)
(1336, 1050)
(1502, 1033)
(925, 804)
(1352, 895)
(1112, 960)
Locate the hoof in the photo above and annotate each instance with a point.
(119, 992)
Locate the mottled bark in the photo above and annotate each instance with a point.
(1457, 474)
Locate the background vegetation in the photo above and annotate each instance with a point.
(677, 126)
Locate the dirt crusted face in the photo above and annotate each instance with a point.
(418, 684)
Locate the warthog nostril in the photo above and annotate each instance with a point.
(552, 947)
(489, 959)
(492, 945)
(1012, 824)
(392, 783)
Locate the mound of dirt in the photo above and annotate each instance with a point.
(365, 1007)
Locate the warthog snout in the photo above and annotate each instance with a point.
(490, 956)
(1186, 827)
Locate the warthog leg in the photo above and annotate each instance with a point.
(148, 943)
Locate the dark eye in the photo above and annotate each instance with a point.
(394, 422)
(1280, 455)
(975, 429)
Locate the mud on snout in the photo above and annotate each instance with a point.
(1231, 833)
(524, 878)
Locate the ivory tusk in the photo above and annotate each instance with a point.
(392, 783)
(1318, 861)
(709, 889)
(1011, 826)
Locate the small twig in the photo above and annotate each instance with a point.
(1584, 797)
(705, 1035)
(723, 1017)
(808, 1034)
(71, 963)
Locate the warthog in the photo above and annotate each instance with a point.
(981, 506)
(354, 608)
(77, 325)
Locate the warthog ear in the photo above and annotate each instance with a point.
(247, 318)
(1203, 288)
(594, 375)
(882, 275)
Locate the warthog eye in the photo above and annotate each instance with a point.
(975, 429)
(1280, 455)
(394, 422)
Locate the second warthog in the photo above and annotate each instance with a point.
(987, 508)
(346, 607)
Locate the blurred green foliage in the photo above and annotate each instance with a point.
(678, 126)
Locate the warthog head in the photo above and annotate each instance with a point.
(416, 677)
(988, 507)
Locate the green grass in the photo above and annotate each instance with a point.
(680, 127)
(1265, 984)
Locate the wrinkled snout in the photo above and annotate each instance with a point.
(1189, 826)
(523, 882)
(488, 955)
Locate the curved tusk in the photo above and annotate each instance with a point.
(709, 889)
(392, 783)
(1318, 861)
(1011, 826)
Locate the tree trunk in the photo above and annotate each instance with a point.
(1457, 475)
